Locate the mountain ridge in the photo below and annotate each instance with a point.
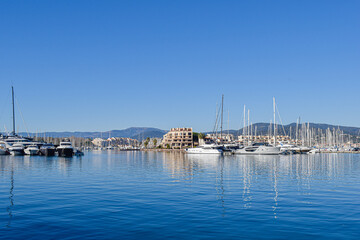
(141, 133)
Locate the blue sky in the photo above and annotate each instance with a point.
(100, 65)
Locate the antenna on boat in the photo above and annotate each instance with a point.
(13, 107)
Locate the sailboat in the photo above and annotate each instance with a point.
(14, 143)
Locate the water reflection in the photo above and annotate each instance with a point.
(11, 197)
(270, 174)
(233, 184)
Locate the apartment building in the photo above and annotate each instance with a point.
(178, 138)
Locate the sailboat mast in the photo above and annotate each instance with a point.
(222, 117)
(13, 108)
(274, 123)
(248, 128)
(244, 130)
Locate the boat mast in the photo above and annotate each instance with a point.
(13, 108)
(244, 130)
(274, 123)
(222, 117)
(248, 127)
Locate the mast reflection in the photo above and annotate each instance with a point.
(11, 197)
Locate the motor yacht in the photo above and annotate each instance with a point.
(3, 150)
(32, 150)
(205, 149)
(259, 149)
(17, 149)
(314, 150)
(301, 149)
(65, 149)
(47, 149)
(230, 147)
(78, 153)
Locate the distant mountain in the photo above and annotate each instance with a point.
(133, 132)
(142, 133)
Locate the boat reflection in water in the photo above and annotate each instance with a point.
(252, 175)
(177, 194)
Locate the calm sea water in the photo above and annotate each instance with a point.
(149, 195)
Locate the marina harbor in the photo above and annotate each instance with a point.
(179, 120)
(301, 140)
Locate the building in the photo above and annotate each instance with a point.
(178, 138)
(99, 142)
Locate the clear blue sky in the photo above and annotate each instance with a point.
(100, 65)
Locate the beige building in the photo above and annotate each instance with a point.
(178, 138)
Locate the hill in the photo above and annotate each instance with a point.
(133, 132)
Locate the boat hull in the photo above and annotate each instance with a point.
(259, 151)
(204, 151)
(31, 152)
(17, 152)
(65, 152)
(4, 152)
(47, 152)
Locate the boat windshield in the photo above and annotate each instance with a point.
(260, 144)
(65, 144)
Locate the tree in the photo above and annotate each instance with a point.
(201, 135)
(155, 142)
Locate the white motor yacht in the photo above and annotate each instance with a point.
(32, 150)
(301, 149)
(205, 149)
(259, 149)
(3, 150)
(314, 150)
(16, 149)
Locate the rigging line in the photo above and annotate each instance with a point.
(18, 105)
(218, 121)
(277, 109)
(216, 117)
